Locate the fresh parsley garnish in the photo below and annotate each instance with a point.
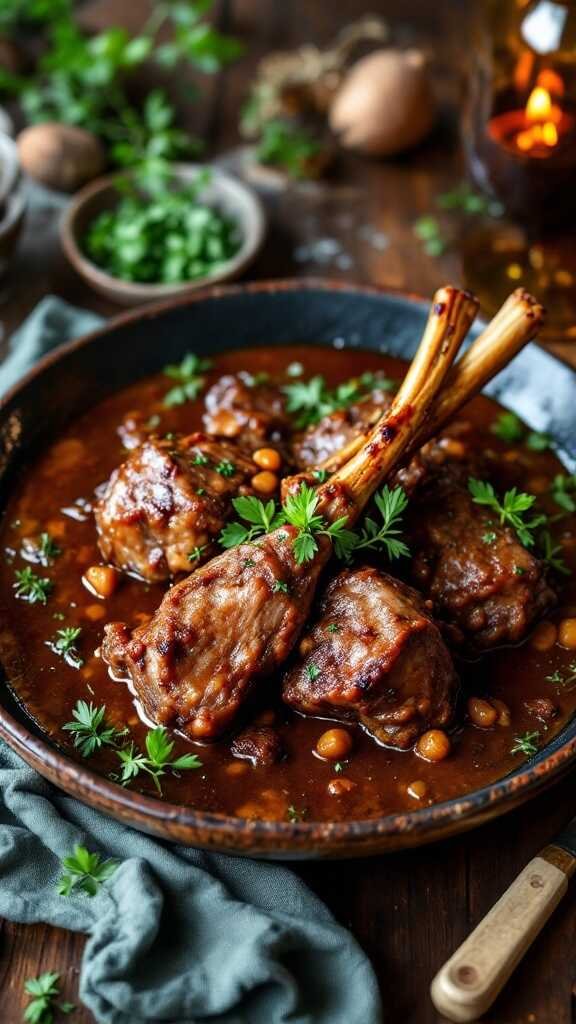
(157, 760)
(563, 491)
(312, 399)
(90, 729)
(85, 872)
(225, 468)
(188, 373)
(338, 767)
(295, 815)
(551, 553)
(280, 587)
(32, 588)
(391, 505)
(196, 554)
(261, 517)
(312, 671)
(300, 511)
(526, 744)
(64, 644)
(565, 679)
(45, 990)
(320, 475)
(508, 427)
(200, 459)
(538, 442)
(489, 537)
(43, 550)
(511, 511)
(333, 628)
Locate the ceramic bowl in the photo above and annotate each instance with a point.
(536, 385)
(224, 191)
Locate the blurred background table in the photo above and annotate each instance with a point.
(411, 910)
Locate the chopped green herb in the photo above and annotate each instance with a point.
(552, 553)
(44, 990)
(564, 491)
(294, 370)
(391, 505)
(489, 537)
(311, 400)
(295, 816)
(280, 587)
(321, 475)
(157, 760)
(85, 872)
(188, 373)
(200, 459)
(287, 145)
(428, 230)
(519, 570)
(511, 511)
(526, 744)
(64, 644)
(333, 628)
(248, 563)
(338, 767)
(32, 588)
(90, 729)
(48, 550)
(200, 491)
(464, 198)
(508, 427)
(225, 468)
(312, 671)
(262, 517)
(538, 442)
(196, 554)
(565, 679)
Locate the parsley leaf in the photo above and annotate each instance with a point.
(508, 427)
(551, 553)
(261, 516)
(90, 729)
(188, 373)
(526, 744)
(391, 505)
(32, 588)
(64, 644)
(511, 511)
(157, 760)
(563, 491)
(85, 872)
(44, 990)
(312, 399)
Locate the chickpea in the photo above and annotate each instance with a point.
(482, 713)
(454, 449)
(334, 744)
(265, 482)
(418, 789)
(339, 787)
(544, 636)
(433, 745)
(94, 612)
(567, 633)
(504, 716)
(101, 580)
(268, 458)
(225, 424)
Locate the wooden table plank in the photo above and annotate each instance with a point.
(410, 910)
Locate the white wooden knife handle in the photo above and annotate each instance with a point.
(467, 985)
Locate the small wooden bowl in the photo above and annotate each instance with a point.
(228, 193)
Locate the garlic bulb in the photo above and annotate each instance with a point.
(60, 156)
(385, 103)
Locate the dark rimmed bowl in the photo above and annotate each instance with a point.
(537, 386)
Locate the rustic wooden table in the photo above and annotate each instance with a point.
(409, 911)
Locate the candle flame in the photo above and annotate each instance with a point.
(539, 106)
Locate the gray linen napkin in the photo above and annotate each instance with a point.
(176, 934)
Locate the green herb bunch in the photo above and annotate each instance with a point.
(164, 237)
(83, 79)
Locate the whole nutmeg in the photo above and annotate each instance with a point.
(384, 104)
(60, 156)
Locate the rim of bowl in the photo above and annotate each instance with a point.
(270, 836)
(240, 193)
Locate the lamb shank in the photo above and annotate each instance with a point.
(234, 621)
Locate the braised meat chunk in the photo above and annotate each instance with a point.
(248, 409)
(334, 431)
(482, 581)
(215, 634)
(374, 655)
(259, 744)
(162, 508)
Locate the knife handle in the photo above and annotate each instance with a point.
(468, 983)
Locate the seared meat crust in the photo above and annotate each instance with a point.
(374, 655)
(249, 411)
(166, 501)
(217, 633)
(334, 431)
(259, 744)
(482, 581)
